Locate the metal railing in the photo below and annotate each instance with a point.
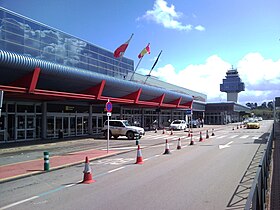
(257, 196)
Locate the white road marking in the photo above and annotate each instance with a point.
(226, 145)
(115, 161)
(121, 148)
(158, 137)
(19, 202)
(244, 137)
(116, 169)
(232, 137)
(220, 137)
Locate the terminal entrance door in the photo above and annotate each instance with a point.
(69, 125)
(25, 126)
(97, 123)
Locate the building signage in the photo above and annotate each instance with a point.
(189, 112)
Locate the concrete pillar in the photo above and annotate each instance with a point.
(90, 131)
(143, 118)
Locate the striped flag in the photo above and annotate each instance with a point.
(144, 51)
(121, 49)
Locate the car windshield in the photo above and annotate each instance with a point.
(176, 122)
(126, 123)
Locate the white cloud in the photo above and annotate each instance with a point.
(168, 17)
(261, 77)
(200, 28)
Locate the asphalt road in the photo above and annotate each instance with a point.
(213, 174)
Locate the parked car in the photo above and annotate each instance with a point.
(194, 124)
(178, 125)
(260, 118)
(122, 128)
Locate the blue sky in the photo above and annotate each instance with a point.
(200, 39)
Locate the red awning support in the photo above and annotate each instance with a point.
(134, 96)
(28, 81)
(176, 102)
(188, 105)
(96, 90)
(158, 100)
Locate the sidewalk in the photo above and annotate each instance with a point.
(275, 183)
(27, 168)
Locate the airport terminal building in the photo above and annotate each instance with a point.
(55, 82)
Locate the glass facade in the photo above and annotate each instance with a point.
(24, 36)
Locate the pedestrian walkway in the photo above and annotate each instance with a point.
(275, 183)
(27, 168)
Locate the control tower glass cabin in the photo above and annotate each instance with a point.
(232, 85)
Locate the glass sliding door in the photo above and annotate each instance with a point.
(30, 127)
(50, 127)
(79, 125)
(66, 126)
(58, 126)
(72, 126)
(2, 128)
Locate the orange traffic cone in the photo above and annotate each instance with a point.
(87, 173)
(167, 151)
(212, 132)
(191, 142)
(179, 146)
(139, 158)
(207, 136)
(200, 137)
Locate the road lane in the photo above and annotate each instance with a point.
(196, 176)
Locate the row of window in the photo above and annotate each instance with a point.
(23, 36)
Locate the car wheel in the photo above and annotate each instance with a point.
(130, 135)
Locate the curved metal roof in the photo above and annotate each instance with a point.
(67, 80)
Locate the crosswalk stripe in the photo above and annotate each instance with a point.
(244, 137)
(233, 136)
(220, 137)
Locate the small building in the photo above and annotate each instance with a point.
(222, 113)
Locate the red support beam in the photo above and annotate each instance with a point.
(34, 80)
(188, 104)
(176, 102)
(28, 81)
(96, 90)
(158, 100)
(134, 96)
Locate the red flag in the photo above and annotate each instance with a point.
(121, 49)
(144, 51)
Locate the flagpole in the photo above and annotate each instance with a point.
(136, 67)
(153, 67)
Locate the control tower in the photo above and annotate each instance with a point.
(232, 85)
